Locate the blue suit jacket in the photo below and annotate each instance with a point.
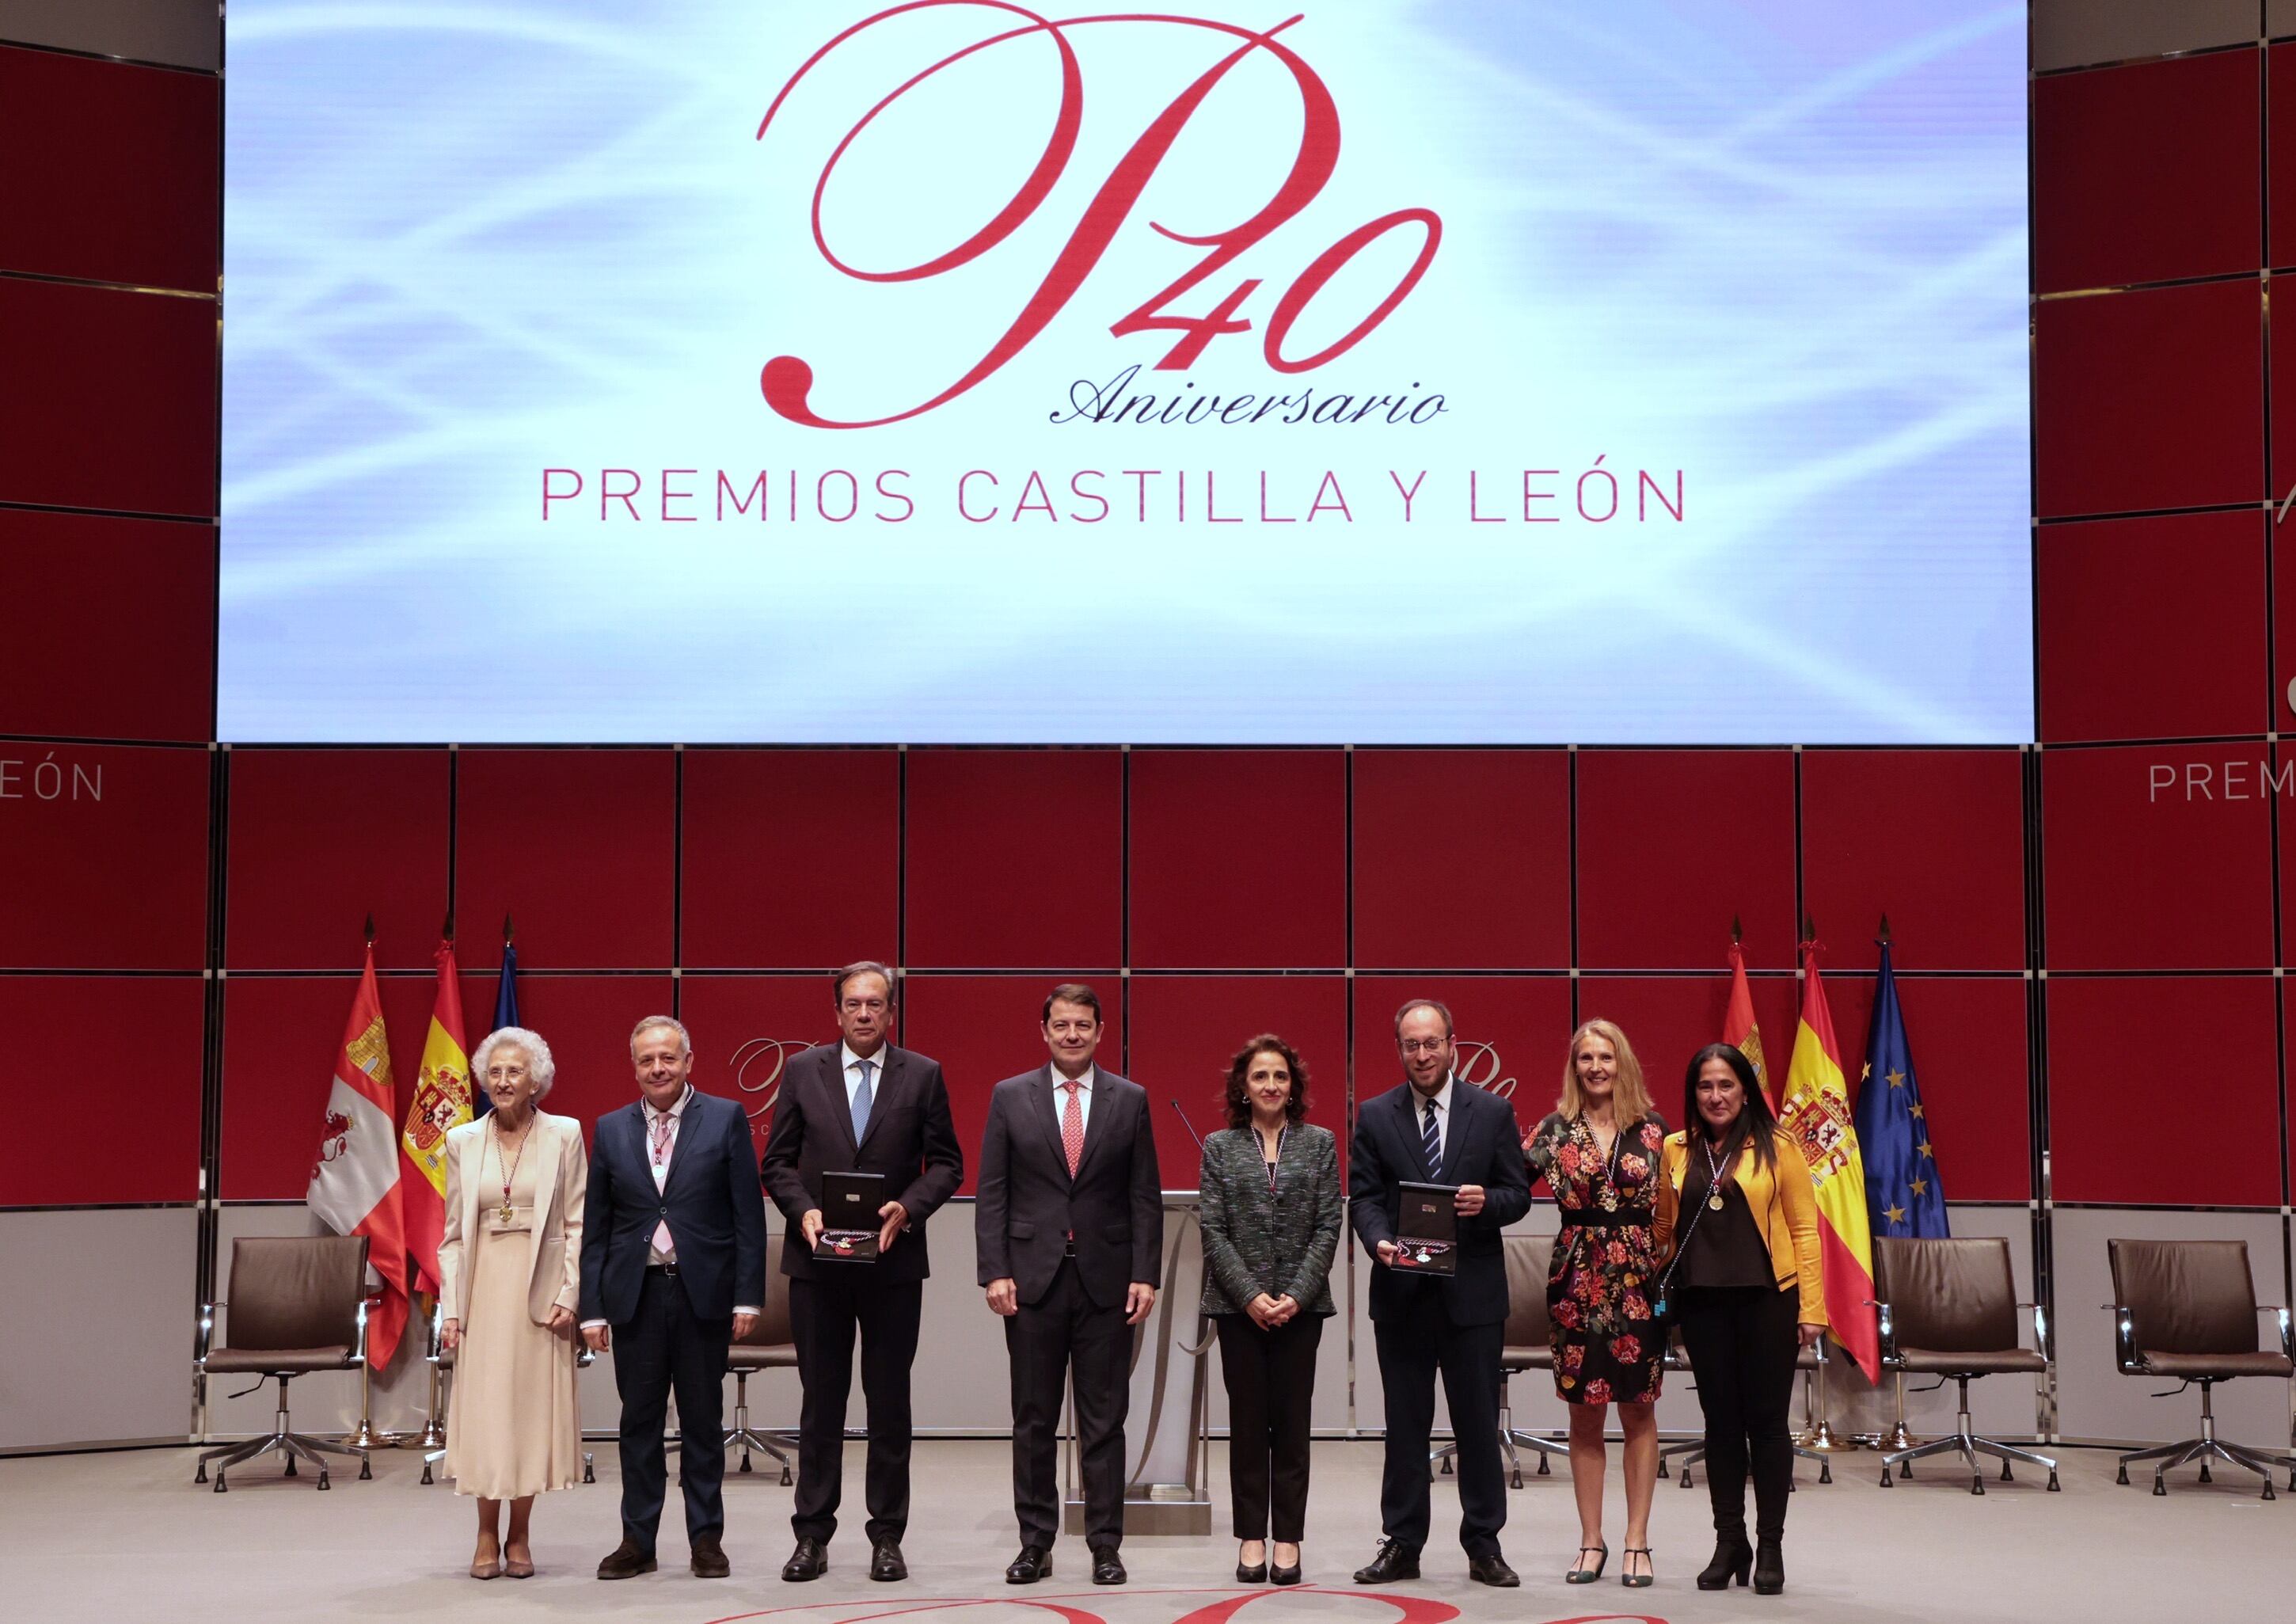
(1482, 1148)
(716, 1212)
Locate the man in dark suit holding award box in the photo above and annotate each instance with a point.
(1069, 1224)
(1435, 1129)
(859, 1111)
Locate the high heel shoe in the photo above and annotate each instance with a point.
(1637, 1581)
(1256, 1574)
(1733, 1557)
(1769, 1568)
(1580, 1574)
(1284, 1576)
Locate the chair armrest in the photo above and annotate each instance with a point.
(2040, 1331)
(206, 1344)
(358, 1352)
(2287, 1333)
(2124, 1340)
(1889, 1328)
(433, 1349)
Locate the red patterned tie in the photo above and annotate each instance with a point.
(1072, 1127)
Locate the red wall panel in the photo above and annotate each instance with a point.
(115, 883)
(578, 845)
(586, 1021)
(744, 1029)
(1674, 842)
(2150, 399)
(321, 839)
(1668, 1019)
(135, 658)
(1462, 858)
(135, 1053)
(2146, 173)
(113, 170)
(2111, 596)
(984, 1029)
(2143, 876)
(1239, 859)
(1511, 1032)
(2105, 1107)
(1016, 858)
(1933, 838)
(791, 857)
(110, 399)
(2280, 152)
(1186, 1029)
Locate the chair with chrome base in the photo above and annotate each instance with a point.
(2186, 1310)
(298, 1305)
(441, 1360)
(1810, 1361)
(1948, 1309)
(772, 1346)
(1528, 1345)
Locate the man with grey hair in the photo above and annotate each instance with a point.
(673, 1270)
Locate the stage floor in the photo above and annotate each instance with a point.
(110, 1537)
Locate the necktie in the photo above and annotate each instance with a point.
(664, 1126)
(861, 1103)
(1072, 1126)
(1432, 1140)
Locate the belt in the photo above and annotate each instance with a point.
(669, 1269)
(1594, 1218)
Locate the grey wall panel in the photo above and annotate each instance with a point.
(2095, 1401)
(97, 1343)
(184, 33)
(2074, 33)
(2280, 18)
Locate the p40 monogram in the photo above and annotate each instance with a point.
(787, 381)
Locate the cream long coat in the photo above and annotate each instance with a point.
(553, 1265)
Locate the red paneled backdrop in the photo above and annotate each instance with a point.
(111, 873)
(1238, 860)
(1016, 858)
(125, 1050)
(1462, 858)
(791, 857)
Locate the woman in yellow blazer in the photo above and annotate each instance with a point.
(1735, 1209)
(509, 1275)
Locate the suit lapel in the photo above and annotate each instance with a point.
(840, 1103)
(1407, 1103)
(1048, 1115)
(892, 1074)
(1454, 1133)
(691, 1125)
(1096, 1124)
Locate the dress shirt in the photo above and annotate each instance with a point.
(1083, 1097)
(1442, 1121)
(852, 1064)
(653, 1118)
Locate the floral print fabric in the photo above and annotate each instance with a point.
(1598, 1293)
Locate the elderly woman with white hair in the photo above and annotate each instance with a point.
(509, 1275)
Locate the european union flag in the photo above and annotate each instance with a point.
(505, 1013)
(1893, 1136)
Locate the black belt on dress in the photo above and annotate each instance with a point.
(669, 1269)
(1594, 1218)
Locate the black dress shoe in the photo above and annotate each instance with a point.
(627, 1561)
(1107, 1566)
(1250, 1573)
(1034, 1562)
(1769, 1567)
(1395, 1561)
(885, 1564)
(809, 1561)
(1284, 1576)
(1492, 1570)
(709, 1559)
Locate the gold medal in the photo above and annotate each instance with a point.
(506, 1215)
(1714, 1200)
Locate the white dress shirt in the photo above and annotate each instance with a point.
(1083, 1097)
(852, 1064)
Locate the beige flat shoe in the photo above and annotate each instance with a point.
(487, 1568)
(518, 1567)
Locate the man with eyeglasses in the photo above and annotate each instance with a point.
(1438, 1129)
(858, 1105)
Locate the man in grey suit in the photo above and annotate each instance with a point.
(1070, 1222)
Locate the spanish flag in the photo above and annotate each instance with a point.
(442, 1100)
(1739, 1030)
(1816, 1115)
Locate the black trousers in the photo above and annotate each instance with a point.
(1271, 1387)
(1061, 1335)
(825, 1312)
(1411, 1353)
(666, 1346)
(1743, 1344)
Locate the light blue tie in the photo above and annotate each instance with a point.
(861, 1103)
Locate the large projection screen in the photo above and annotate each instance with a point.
(1596, 371)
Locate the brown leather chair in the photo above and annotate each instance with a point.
(772, 1346)
(441, 1360)
(2186, 1310)
(1529, 1346)
(298, 1305)
(1948, 1309)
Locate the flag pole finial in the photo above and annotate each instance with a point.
(1809, 929)
(507, 929)
(1737, 932)
(1885, 929)
(370, 930)
(447, 929)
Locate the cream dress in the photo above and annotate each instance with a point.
(511, 1429)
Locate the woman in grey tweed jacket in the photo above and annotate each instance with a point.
(1272, 1212)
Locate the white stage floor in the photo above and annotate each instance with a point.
(127, 1535)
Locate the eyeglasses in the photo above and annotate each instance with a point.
(1424, 1046)
(859, 1006)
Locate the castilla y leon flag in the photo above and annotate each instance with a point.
(1816, 1114)
(442, 1099)
(1738, 1028)
(355, 1186)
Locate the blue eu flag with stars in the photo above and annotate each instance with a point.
(1893, 1134)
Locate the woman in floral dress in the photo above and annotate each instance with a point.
(1599, 1153)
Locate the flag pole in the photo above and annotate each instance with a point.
(1899, 1436)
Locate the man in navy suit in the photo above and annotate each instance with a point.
(859, 1105)
(1437, 1129)
(673, 1269)
(1069, 1224)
